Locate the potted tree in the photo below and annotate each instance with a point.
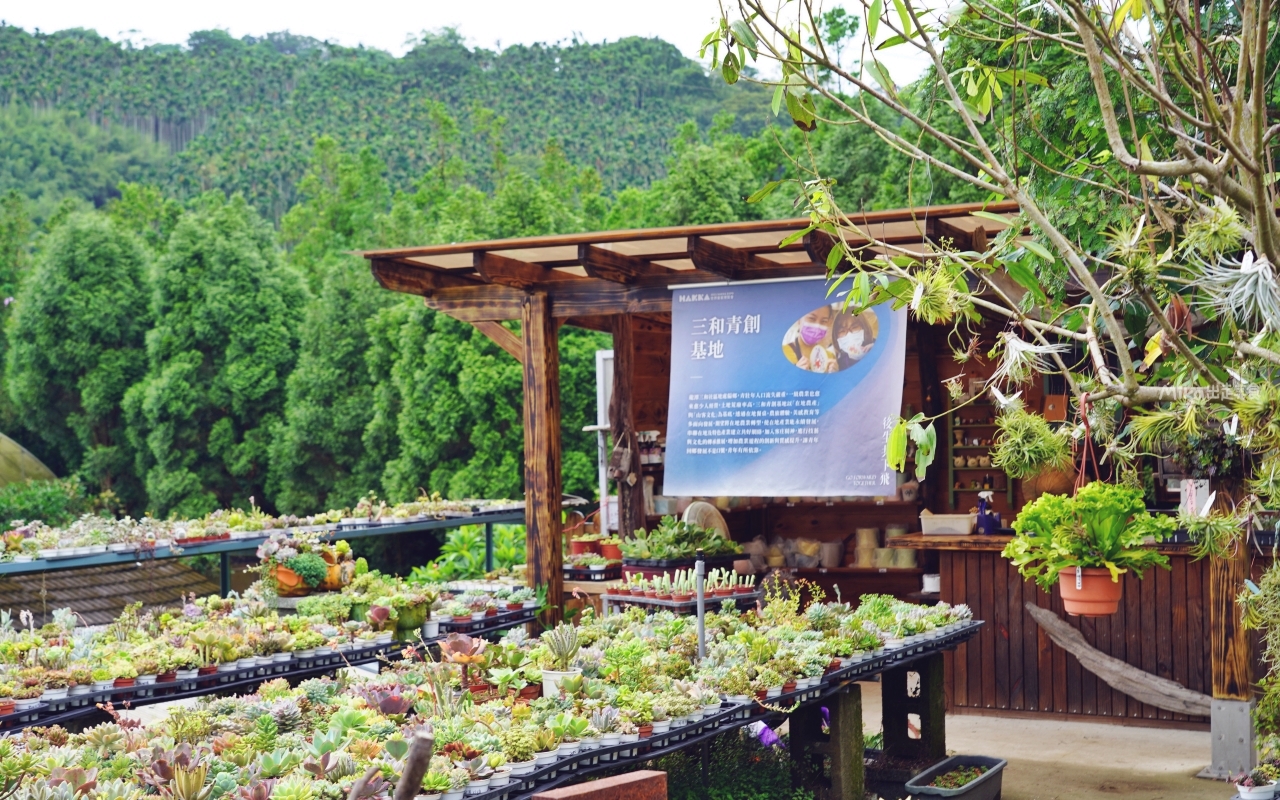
(1086, 542)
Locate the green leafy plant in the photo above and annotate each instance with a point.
(1027, 444)
(674, 538)
(1104, 525)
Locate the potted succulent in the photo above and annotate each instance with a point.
(518, 748)
(562, 646)
(545, 746)
(568, 730)
(26, 698)
(458, 612)
(1086, 542)
(434, 784)
(1257, 785)
(123, 674)
(610, 548)
(585, 543)
(6, 698)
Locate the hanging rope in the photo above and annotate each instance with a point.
(1088, 454)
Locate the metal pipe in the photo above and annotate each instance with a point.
(699, 572)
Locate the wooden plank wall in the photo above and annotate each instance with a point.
(1012, 665)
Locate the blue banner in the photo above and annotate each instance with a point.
(777, 392)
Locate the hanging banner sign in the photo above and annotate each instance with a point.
(777, 392)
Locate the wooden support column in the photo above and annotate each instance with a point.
(848, 773)
(623, 428)
(928, 701)
(1230, 648)
(542, 479)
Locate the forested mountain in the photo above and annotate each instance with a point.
(241, 114)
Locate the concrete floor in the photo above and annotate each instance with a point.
(1050, 760)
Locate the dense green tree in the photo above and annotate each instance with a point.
(317, 459)
(227, 317)
(76, 344)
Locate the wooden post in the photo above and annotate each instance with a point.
(623, 428)
(929, 704)
(1229, 644)
(848, 778)
(542, 479)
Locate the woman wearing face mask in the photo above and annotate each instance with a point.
(853, 339)
(811, 348)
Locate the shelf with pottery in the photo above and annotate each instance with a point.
(963, 449)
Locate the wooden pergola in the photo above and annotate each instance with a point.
(620, 282)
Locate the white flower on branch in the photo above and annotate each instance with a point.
(1020, 359)
(1245, 291)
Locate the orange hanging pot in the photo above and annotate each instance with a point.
(1091, 594)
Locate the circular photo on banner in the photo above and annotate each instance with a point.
(830, 340)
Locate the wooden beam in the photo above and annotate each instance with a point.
(502, 338)
(506, 271)
(613, 266)
(407, 279)
(717, 258)
(582, 297)
(542, 463)
(622, 425)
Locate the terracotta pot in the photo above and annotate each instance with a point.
(1098, 595)
(288, 582)
(491, 612)
(578, 547)
(479, 688)
(329, 558)
(166, 677)
(515, 606)
(761, 695)
(6, 707)
(531, 692)
(662, 597)
(123, 683)
(834, 665)
(209, 670)
(650, 592)
(645, 730)
(1050, 481)
(460, 620)
(611, 551)
(789, 686)
(682, 597)
(743, 589)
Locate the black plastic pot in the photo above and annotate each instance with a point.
(986, 787)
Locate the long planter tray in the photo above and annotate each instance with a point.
(683, 563)
(985, 787)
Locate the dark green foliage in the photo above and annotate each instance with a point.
(76, 344)
(317, 458)
(51, 155)
(462, 556)
(227, 314)
(57, 502)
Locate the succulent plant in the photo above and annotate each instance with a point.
(562, 644)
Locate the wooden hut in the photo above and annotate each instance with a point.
(1179, 625)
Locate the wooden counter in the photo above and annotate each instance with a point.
(992, 543)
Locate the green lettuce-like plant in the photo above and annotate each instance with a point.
(1104, 526)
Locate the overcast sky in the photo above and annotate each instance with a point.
(388, 24)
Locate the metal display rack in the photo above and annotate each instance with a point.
(615, 602)
(225, 547)
(732, 716)
(83, 709)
